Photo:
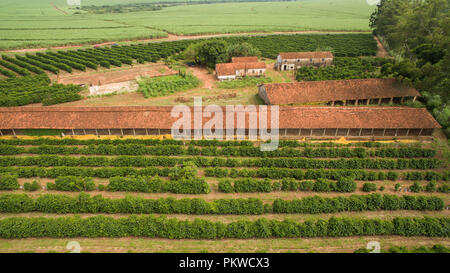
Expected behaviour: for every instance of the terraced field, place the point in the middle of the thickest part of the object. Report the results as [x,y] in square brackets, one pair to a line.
[156,194]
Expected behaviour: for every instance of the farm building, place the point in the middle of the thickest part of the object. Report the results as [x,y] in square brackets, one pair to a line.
[296,60]
[249,59]
[294,121]
[231,71]
[337,92]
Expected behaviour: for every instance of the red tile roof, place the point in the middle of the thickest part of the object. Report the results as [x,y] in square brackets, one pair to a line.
[159,117]
[306,55]
[339,90]
[250,59]
[228,69]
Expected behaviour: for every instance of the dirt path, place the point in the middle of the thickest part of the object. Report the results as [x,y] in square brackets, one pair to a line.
[173,37]
[382,52]
[208,80]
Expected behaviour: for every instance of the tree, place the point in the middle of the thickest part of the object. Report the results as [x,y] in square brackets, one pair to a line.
[241,50]
[211,52]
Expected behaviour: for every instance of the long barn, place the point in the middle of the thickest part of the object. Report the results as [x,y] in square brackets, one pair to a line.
[294,121]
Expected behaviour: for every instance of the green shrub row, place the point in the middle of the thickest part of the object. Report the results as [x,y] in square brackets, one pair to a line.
[371,202]
[8,181]
[84,203]
[193,185]
[72,183]
[343,184]
[236,151]
[163,227]
[279,173]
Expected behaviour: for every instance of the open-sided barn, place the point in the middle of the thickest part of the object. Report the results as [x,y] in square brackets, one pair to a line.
[344,92]
[294,122]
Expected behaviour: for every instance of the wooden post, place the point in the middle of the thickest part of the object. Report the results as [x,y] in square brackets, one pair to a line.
[324,131]
[372,132]
[345,102]
[310,134]
[356,102]
[14,132]
[379,101]
[336,132]
[396,131]
[73,132]
[84,131]
[134,132]
[332,103]
[146,131]
[360,131]
[368,102]
[407,132]
[1,133]
[384,131]
[96,132]
[420,131]
[109,131]
[121,131]
[348,131]
[300,131]
[392,100]
[414,99]
[159,132]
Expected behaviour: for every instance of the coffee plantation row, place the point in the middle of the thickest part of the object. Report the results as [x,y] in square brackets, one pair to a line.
[36,89]
[299,174]
[269,45]
[163,227]
[84,203]
[202,143]
[241,151]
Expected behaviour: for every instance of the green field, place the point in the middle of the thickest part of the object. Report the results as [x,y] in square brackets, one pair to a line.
[40,24]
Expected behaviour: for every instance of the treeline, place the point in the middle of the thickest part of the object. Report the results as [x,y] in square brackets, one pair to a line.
[229,151]
[84,203]
[162,227]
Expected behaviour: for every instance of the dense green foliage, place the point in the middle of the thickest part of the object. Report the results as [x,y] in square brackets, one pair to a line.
[343,184]
[72,183]
[34,89]
[243,82]
[162,227]
[8,182]
[84,203]
[165,85]
[417,32]
[343,68]
[191,185]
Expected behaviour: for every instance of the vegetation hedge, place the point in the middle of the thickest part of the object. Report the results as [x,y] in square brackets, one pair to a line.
[84,203]
[193,185]
[162,227]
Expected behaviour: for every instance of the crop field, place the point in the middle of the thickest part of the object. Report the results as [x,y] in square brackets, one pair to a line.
[44,23]
[229,192]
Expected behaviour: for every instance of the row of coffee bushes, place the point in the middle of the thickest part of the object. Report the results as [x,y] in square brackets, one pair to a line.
[201,143]
[163,227]
[72,183]
[371,202]
[29,172]
[280,173]
[163,161]
[233,151]
[39,64]
[191,185]
[344,184]
[24,65]
[97,141]
[84,203]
